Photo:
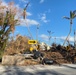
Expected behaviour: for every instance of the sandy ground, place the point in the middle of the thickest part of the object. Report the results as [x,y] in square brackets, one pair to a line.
[65,69]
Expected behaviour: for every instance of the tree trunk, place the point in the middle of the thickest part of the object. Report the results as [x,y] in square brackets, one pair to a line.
[3,40]
[30,32]
[68,33]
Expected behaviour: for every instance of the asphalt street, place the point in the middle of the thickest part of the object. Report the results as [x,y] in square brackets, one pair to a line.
[65,69]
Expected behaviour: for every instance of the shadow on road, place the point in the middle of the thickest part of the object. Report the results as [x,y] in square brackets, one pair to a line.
[23,71]
[69,66]
[48,72]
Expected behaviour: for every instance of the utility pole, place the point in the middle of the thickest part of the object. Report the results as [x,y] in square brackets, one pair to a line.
[37,32]
[37,28]
[75,39]
[29,30]
[50,35]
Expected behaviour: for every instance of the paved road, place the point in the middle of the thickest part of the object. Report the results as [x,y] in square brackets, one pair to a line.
[69,69]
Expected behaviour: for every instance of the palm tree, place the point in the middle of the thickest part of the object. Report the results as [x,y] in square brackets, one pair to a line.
[24,17]
[72,16]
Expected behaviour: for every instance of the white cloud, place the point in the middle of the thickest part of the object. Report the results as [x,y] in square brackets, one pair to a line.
[71,38]
[28,22]
[44,37]
[31,22]
[43,18]
[24,1]
[28,14]
[41,1]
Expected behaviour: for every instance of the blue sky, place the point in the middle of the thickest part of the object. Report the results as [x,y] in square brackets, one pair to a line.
[48,14]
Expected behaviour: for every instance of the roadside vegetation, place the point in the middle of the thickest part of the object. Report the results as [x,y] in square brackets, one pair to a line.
[10,16]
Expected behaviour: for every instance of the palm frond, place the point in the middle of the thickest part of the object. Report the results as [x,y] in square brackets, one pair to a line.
[24,11]
[66,17]
[26,5]
[74,11]
[72,14]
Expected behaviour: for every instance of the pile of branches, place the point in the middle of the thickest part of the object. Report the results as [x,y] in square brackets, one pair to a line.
[68,53]
[17,45]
